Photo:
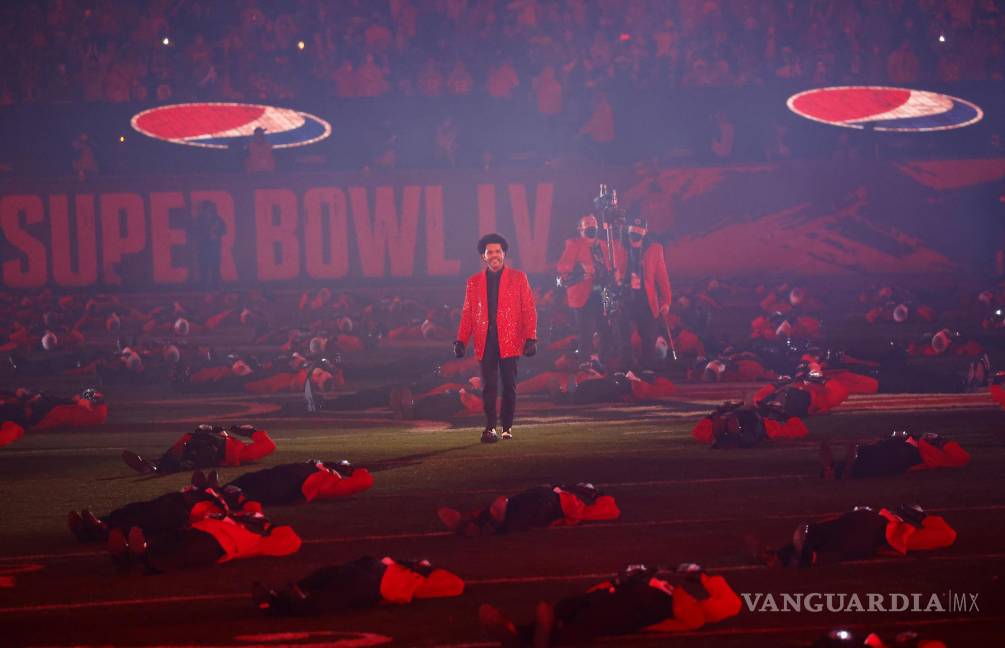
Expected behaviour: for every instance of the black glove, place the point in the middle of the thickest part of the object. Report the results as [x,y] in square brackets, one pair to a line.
[530,348]
[459,349]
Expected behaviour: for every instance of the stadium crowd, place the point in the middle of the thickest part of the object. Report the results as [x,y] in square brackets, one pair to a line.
[432,84]
[118,51]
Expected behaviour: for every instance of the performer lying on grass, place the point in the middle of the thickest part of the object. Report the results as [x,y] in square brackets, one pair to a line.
[895,455]
[364,582]
[440,403]
[27,410]
[862,533]
[213,539]
[43,411]
[208,446]
[807,394]
[541,506]
[735,425]
[640,599]
[305,481]
[589,385]
[167,512]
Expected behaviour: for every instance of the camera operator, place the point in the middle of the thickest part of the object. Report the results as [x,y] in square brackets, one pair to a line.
[584,269]
[646,293]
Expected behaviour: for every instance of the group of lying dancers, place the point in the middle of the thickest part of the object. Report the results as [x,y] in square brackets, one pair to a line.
[211,522]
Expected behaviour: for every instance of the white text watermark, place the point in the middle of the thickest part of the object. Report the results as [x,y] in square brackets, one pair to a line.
[870,602]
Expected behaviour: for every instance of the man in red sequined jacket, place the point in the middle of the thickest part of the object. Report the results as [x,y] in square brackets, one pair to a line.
[499,313]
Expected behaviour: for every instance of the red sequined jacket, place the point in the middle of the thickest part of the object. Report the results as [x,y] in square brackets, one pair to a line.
[516,315]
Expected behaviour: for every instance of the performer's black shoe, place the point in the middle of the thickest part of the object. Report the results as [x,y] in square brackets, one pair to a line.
[213,479]
[507,433]
[979,373]
[199,480]
[138,463]
[77,527]
[489,436]
[118,548]
[94,525]
[291,601]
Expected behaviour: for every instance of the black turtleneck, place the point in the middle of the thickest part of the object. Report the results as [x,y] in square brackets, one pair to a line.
[492,285]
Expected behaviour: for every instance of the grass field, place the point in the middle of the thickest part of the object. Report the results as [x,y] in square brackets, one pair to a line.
[681,502]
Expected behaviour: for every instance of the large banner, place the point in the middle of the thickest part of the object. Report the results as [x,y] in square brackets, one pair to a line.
[827,218]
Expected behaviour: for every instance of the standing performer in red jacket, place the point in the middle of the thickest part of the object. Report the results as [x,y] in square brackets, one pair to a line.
[499,313]
[584,269]
[648,294]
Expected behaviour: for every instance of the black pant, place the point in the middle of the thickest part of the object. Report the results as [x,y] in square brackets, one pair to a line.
[338,587]
[589,320]
[492,367]
[853,536]
[209,264]
[887,457]
[637,312]
[182,548]
[164,513]
[279,485]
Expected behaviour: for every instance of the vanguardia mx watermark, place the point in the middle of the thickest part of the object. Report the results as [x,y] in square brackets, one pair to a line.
[949,601]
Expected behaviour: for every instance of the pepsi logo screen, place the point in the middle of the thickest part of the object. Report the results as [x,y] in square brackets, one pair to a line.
[884,108]
[220,125]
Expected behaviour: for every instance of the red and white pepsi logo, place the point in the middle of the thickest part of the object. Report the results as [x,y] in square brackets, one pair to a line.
[220,125]
[885,109]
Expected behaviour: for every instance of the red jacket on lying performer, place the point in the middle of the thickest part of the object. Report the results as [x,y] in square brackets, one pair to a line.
[212,539]
[898,454]
[41,411]
[235,451]
[208,446]
[541,506]
[734,425]
[862,533]
[248,535]
[803,397]
[364,582]
[736,367]
[303,482]
[640,599]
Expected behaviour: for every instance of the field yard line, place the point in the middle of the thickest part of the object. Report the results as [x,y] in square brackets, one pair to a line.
[517,580]
[468,582]
[437,534]
[188,598]
[666,482]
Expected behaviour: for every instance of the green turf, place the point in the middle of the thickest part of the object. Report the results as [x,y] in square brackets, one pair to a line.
[670,515]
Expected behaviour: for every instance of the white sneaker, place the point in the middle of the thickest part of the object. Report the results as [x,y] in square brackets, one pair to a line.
[506,434]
